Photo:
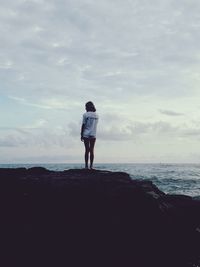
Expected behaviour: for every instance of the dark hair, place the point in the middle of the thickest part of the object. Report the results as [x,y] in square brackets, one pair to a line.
[90,106]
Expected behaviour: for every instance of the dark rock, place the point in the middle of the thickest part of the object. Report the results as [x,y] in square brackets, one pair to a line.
[95,218]
[38,170]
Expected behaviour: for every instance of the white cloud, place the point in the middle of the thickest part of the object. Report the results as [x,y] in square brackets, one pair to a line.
[6,65]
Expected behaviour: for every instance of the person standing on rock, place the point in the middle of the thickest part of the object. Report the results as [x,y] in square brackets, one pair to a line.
[88,132]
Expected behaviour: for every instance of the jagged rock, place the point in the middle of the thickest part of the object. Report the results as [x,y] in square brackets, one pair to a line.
[95,218]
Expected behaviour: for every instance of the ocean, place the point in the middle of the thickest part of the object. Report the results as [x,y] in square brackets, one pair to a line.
[170,178]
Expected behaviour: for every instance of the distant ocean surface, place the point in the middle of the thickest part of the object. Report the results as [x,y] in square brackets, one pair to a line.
[170,178]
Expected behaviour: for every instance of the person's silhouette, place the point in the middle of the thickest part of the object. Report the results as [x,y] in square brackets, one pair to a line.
[88,132]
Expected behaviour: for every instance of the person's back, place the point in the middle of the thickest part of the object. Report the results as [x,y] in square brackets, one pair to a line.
[90,120]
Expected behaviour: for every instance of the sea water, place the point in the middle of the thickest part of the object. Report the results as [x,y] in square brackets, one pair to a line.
[170,178]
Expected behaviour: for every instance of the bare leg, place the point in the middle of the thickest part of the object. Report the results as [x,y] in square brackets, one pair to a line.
[92,143]
[87,150]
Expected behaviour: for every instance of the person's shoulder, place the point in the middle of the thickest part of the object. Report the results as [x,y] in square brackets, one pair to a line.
[91,114]
[94,114]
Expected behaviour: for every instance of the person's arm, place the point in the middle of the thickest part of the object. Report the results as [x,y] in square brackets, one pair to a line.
[83,125]
[82,129]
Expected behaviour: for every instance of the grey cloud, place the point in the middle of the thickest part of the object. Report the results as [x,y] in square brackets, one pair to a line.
[74,129]
[165,128]
[160,128]
[139,130]
[114,131]
[11,141]
[192,132]
[115,127]
[170,112]
[111,117]
[45,137]
[115,134]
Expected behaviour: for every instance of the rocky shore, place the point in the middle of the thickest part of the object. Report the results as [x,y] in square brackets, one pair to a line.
[94,218]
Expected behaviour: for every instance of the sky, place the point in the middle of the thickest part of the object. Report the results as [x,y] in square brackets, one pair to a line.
[137,60]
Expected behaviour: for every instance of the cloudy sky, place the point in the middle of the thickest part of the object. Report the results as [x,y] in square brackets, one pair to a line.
[137,60]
